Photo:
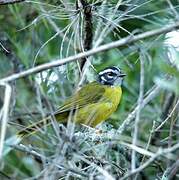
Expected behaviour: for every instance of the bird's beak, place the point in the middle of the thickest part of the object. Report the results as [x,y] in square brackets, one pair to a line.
[121,75]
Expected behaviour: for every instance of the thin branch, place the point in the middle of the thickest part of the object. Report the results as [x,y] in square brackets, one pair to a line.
[37,155]
[54,25]
[105,173]
[5,175]
[140,101]
[175,13]
[173,170]
[3,48]
[168,117]
[131,116]
[161,152]
[4,2]
[4,114]
[168,101]
[122,42]
[147,163]
[147,146]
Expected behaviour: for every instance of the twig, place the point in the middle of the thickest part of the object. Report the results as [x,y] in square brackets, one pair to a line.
[131,116]
[37,155]
[105,173]
[140,101]
[171,131]
[161,152]
[175,13]
[147,163]
[169,99]
[121,42]
[173,170]
[7,47]
[3,48]
[5,175]
[147,146]
[54,25]
[138,149]
[4,114]
[168,117]
[4,2]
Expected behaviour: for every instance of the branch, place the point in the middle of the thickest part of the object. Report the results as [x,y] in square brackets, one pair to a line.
[122,42]
[4,115]
[173,170]
[168,117]
[37,155]
[88,30]
[160,152]
[131,116]
[137,119]
[87,37]
[4,2]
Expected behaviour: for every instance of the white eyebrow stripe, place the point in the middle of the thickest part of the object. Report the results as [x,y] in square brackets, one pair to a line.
[106,71]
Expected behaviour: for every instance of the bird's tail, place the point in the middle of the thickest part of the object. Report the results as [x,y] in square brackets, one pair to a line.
[27,131]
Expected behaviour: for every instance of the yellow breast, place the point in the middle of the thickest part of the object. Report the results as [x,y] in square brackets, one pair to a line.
[96,113]
[114,95]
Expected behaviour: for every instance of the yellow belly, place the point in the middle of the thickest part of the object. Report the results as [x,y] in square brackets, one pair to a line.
[96,113]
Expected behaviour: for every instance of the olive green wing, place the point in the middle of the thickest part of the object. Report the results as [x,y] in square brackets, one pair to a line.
[90,93]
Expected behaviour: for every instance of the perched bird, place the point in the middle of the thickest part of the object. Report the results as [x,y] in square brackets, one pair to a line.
[90,105]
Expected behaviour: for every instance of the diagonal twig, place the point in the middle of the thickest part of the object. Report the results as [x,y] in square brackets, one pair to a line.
[131,116]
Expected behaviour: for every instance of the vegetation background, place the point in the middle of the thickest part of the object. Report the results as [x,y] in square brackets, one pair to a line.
[141,138]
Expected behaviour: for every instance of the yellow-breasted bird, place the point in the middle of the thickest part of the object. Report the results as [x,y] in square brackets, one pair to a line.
[90,105]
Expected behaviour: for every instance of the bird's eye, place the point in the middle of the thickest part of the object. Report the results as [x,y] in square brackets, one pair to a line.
[110,74]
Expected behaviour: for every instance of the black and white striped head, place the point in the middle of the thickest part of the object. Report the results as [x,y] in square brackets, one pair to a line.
[111,76]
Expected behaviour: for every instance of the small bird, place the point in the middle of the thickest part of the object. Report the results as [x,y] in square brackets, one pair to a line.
[90,105]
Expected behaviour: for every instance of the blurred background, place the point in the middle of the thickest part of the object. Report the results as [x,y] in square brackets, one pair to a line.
[37,32]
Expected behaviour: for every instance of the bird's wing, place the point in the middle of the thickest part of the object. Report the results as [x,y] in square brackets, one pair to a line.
[90,93]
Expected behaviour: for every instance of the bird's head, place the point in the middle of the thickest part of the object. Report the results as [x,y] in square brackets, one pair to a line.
[111,76]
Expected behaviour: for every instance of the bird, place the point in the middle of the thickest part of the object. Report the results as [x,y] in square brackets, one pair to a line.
[90,105]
